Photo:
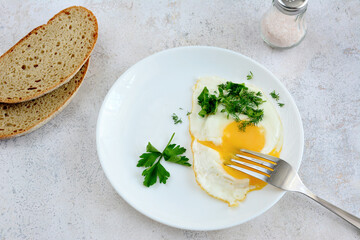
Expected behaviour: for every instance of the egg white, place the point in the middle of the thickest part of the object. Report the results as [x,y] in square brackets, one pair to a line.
[212,177]
[208,167]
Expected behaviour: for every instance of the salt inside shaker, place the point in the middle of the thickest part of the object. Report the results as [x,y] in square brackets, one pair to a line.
[283,25]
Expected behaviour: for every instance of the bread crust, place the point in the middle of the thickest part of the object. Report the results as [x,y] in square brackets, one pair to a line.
[66,79]
[52,114]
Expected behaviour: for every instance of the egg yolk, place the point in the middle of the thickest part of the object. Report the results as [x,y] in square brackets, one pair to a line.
[233,139]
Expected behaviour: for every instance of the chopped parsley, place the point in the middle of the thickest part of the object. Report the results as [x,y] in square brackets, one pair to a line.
[275,95]
[188,113]
[208,103]
[153,170]
[250,76]
[234,99]
[176,119]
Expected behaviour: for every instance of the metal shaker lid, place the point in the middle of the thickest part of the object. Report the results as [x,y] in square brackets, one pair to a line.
[291,7]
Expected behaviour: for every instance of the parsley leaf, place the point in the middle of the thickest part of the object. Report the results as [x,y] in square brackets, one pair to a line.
[172,149]
[176,119]
[182,160]
[148,159]
[172,152]
[275,95]
[150,175]
[250,76]
[154,170]
[151,148]
[188,113]
[281,104]
[162,173]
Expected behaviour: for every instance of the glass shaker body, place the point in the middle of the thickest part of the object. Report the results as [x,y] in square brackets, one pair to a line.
[280,30]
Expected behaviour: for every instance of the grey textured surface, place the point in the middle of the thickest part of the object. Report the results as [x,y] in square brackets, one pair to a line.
[51,182]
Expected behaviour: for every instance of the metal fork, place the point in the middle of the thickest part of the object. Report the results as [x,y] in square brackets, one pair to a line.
[279,173]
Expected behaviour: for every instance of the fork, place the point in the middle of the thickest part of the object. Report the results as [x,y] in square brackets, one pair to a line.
[279,173]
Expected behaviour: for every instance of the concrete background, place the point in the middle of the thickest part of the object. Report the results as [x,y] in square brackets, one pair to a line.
[51,182]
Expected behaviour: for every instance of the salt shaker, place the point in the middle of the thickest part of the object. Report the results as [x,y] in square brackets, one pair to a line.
[283,25]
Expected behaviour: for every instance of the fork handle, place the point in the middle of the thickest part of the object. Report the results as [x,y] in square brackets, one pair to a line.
[341,213]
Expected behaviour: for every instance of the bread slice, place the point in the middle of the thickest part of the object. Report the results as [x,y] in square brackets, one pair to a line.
[21,118]
[49,56]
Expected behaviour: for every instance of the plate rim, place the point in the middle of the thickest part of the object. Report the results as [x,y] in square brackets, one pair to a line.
[298,116]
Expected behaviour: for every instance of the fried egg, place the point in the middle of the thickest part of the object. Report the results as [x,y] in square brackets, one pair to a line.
[216,138]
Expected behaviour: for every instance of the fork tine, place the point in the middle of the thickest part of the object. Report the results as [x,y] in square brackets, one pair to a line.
[261,169]
[268,157]
[249,172]
[258,161]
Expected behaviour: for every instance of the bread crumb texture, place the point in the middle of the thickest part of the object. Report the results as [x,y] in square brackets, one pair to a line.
[17,119]
[48,56]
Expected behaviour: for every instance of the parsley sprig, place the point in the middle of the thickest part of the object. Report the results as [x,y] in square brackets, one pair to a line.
[153,171]
[235,99]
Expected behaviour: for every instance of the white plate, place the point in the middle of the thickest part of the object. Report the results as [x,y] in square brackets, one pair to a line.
[138,109]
